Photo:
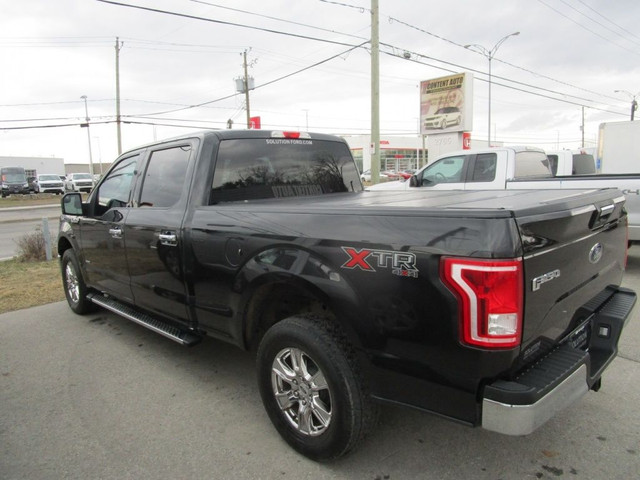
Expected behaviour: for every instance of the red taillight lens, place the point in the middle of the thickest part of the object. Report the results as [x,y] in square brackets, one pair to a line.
[490,295]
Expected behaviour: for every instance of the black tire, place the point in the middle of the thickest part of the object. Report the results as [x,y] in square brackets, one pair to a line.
[322,410]
[75,290]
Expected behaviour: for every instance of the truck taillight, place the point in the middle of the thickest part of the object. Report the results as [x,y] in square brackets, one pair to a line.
[490,296]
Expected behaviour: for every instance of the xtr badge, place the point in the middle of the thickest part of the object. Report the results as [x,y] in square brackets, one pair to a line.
[402,264]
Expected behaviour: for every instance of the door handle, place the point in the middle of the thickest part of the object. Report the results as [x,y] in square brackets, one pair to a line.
[115,232]
[168,239]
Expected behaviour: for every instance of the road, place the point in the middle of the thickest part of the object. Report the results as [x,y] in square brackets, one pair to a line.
[15,223]
[100,397]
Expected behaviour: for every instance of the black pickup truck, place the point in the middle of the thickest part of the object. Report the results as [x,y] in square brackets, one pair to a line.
[492,308]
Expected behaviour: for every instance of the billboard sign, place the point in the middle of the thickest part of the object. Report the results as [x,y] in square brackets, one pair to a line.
[446,104]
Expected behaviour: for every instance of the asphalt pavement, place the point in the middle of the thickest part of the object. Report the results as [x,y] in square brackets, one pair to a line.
[99,397]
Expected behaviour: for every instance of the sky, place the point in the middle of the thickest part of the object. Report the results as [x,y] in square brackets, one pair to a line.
[310,62]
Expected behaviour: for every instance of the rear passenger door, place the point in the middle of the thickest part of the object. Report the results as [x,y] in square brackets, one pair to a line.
[154,234]
[482,172]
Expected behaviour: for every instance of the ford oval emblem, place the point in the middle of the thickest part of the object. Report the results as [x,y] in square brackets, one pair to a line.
[595,254]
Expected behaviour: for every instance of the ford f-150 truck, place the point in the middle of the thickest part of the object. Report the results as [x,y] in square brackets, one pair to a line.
[494,309]
[518,168]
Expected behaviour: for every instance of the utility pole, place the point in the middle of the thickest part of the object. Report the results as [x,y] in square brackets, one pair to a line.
[86,113]
[582,127]
[634,103]
[246,90]
[118,48]
[375,92]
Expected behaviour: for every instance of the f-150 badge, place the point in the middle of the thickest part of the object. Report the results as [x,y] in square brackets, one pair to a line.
[402,264]
[537,282]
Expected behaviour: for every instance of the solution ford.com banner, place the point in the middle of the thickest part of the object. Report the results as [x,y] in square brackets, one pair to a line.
[446,104]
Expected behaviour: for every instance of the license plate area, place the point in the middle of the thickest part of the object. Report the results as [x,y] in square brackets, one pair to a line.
[579,338]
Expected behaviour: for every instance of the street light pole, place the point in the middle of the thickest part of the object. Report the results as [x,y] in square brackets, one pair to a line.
[489,54]
[86,112]
[634,103]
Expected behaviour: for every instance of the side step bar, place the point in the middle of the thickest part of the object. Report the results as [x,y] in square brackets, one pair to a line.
[182,336]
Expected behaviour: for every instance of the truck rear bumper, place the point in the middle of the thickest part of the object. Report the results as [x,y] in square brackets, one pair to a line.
[558,380]
[512,419]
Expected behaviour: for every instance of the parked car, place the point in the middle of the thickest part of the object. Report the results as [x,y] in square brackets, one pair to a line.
[390,174]
[406,174]
[49,183]
[79,182]
[366,175]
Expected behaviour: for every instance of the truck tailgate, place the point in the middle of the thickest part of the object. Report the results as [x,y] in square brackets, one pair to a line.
[570,256]
[574,313]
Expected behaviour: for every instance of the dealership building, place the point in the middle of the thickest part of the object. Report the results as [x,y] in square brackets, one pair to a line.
[44,165]
[396,153]
[35,165]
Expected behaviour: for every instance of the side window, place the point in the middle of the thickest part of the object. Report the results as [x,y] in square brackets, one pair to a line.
[583,164]
[484,168]
[530,164]
[165,176]
[446,170]
[553,164]
[115,190]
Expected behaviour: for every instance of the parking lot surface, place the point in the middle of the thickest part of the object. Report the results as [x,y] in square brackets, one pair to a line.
[99,397]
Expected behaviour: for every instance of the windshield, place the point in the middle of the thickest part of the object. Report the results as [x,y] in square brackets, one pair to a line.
[82,176]
[273,168]
[48,178]
[13,175]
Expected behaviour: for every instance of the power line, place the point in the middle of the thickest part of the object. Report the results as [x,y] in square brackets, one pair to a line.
[392,19]
[608,20]
[257,86]
[503,85]
[276,19]
[586,28]
[361,9]
[222,22]
[597,22]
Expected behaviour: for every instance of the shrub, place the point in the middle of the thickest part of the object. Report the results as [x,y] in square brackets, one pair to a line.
[31,247]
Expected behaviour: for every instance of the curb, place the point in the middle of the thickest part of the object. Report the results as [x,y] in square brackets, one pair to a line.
[34,207]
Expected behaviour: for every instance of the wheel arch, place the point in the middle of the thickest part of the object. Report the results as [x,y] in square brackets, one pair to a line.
[275,297]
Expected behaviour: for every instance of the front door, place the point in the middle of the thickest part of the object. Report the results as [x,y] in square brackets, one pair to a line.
[102,231]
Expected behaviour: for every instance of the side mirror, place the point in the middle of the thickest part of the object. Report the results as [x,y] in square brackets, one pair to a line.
[72,204]
[413,181]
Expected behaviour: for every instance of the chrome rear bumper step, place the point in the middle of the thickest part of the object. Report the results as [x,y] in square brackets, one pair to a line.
[182,336]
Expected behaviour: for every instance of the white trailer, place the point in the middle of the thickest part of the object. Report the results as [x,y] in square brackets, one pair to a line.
[619,147]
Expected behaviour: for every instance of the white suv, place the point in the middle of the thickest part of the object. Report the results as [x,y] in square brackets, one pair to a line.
[79,182]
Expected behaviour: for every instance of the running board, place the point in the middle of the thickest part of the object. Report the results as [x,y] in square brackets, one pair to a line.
[182,336]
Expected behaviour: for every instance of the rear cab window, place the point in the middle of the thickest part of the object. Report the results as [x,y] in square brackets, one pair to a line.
[532,164]
[249,169]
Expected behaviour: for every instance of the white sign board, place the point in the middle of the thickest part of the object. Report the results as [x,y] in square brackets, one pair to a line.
[446,104]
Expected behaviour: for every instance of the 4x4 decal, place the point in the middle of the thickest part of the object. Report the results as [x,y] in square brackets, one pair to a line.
[402,264]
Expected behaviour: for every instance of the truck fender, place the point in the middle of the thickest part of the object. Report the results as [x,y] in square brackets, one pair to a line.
[296,273]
